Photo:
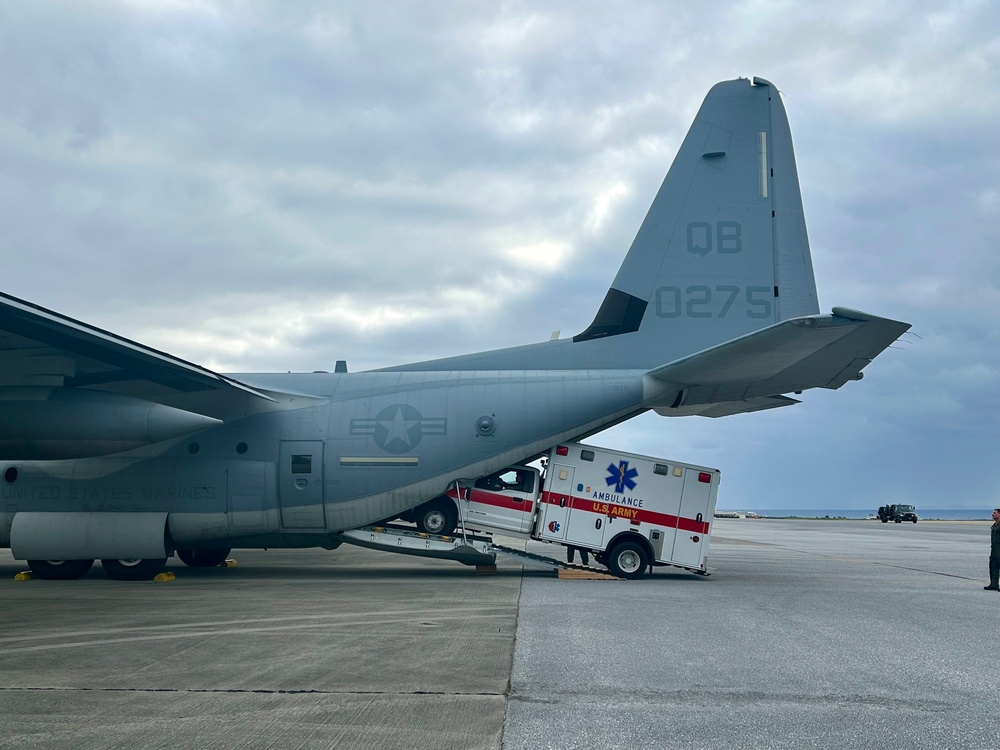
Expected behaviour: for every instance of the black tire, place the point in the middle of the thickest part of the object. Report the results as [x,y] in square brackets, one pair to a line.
[439,516]
[134,570]
[628,560]
[60,570]
[884,520]
[914,520]
[898,520]
[203,558]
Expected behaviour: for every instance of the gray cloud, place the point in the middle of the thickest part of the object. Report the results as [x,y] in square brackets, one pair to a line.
[265,187]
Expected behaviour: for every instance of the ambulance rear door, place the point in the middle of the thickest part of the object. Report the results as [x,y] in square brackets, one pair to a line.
[555,502]
[693,519]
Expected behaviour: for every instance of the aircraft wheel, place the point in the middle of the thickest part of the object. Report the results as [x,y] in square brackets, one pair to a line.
[60,570]
[134,570]
[628,560]
[203,558]
[437,517]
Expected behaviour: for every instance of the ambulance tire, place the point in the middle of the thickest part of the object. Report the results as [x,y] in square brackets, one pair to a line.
[60,570]
[628,560]
[439,516]
[203,558]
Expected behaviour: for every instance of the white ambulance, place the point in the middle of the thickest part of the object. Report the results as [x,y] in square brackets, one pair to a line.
[629,511]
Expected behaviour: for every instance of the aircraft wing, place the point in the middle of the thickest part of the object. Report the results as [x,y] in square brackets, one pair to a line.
[750,373]
[45,356]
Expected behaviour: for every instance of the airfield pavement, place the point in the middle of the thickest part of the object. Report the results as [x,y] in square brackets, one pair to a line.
[809,634]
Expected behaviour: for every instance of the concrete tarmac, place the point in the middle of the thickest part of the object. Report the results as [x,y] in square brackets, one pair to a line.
[809,634]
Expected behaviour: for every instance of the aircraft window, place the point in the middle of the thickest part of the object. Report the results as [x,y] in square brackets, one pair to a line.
[586,455]
[10,474]
[241,448]
[302,464]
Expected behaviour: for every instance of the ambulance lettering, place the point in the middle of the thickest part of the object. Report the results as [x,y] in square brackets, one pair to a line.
[620,512]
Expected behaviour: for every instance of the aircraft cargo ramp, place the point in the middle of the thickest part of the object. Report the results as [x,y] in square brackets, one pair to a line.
[468,549]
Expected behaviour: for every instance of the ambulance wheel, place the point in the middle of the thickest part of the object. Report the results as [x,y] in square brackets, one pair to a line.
[203,558]
[628,560]
[437,517]
[60,570]
[134,570]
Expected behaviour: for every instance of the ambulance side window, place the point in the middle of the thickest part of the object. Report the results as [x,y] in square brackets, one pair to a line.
[526,479]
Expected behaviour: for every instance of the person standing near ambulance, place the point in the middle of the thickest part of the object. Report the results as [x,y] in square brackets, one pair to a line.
[994,553]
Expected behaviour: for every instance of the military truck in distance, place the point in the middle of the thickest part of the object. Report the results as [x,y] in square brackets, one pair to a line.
[897,513]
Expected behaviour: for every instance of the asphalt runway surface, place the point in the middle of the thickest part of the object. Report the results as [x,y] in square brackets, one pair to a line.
[809,634]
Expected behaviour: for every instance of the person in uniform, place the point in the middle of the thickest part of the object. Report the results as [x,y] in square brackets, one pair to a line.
[994,553]
[583,554]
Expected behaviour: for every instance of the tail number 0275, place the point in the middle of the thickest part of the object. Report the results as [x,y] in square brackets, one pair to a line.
[711,302]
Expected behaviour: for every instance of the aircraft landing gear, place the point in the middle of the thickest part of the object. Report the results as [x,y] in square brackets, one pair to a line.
[134,570]
[203,558]
[60,570]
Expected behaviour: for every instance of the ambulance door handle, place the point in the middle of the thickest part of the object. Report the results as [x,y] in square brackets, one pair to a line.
[562,502]
[597,523]
[699,518]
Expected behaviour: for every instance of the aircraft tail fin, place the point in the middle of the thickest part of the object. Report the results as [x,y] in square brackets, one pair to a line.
[723,250]
[722,253]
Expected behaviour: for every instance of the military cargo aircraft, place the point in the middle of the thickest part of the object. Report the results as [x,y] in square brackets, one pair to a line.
[115,451]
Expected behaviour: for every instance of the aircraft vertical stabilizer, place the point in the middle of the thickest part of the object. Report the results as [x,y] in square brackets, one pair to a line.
[723,250]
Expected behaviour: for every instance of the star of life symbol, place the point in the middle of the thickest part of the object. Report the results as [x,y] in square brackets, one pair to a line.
[553,526]
[399,428]
[621,476]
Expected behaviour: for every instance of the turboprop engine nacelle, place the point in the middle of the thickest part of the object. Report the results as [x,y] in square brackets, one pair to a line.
[55,423]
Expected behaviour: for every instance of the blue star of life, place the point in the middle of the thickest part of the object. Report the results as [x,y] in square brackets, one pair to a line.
[621,476]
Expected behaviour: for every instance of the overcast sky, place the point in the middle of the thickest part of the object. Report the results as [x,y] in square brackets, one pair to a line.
[272,186]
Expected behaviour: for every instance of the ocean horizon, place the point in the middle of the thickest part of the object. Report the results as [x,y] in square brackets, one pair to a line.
[929,514]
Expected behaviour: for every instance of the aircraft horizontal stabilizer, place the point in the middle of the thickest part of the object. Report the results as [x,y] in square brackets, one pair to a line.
[726,408]
[750,373]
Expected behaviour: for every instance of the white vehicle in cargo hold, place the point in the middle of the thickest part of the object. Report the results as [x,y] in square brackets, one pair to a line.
[629,511]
